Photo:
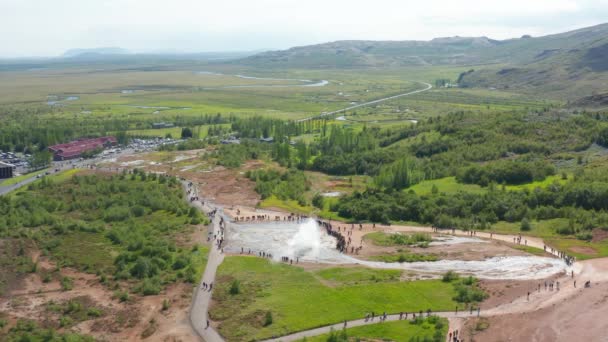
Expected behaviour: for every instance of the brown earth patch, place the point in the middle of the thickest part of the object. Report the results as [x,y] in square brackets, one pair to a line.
[599,235]
[583,250]
[506,291]
[573,319]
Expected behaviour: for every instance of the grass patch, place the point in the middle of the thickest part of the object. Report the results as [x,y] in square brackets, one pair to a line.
[447,185]
[582,250]
[404,257]
[529,249]
[291,206]
[86,251]
[384,239]
[357,275]
[543,229]
[430,329]
[538,184]
[299,301]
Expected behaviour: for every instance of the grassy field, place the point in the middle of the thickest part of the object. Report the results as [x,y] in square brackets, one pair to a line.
[547,230]
[450,185]
[543,229]
[582,250]
[445,185]
[298,300]
[398,331]
[199,132]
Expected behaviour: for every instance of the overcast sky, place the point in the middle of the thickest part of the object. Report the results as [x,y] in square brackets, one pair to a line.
[49,27]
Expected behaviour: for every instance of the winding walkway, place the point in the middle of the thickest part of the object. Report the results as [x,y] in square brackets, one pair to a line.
[359,322]
[199,309]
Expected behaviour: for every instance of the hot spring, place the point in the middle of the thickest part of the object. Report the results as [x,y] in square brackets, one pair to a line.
[308,242]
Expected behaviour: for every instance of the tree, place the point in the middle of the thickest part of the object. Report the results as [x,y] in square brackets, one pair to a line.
[268,319]
[235,288]
[186,133]
[318,201]
[525,225]
[40,160]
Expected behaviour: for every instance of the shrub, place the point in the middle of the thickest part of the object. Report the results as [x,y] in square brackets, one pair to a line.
[235,287]
[449,276]
[525,225]
[94,312]
[65,321]
[67,283]
[149,287]
[268,319]
[585,236]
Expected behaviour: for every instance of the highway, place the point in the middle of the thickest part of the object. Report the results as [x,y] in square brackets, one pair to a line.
[427,87]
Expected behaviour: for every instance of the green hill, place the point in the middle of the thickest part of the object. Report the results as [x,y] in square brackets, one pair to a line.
[568,65]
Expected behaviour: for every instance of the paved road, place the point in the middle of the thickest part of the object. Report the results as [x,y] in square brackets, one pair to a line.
[427,87]
[6,189]
[199,310]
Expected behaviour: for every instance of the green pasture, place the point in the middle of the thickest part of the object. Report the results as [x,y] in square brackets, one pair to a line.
[297,300]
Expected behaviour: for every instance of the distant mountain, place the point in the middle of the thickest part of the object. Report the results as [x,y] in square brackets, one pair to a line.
[108,51]
[567,65]
[360,53]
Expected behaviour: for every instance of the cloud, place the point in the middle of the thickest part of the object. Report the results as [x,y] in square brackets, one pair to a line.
[42,27]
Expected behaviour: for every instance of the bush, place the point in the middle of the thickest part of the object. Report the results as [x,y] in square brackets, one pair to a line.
[268,319]
[235,287]
[525,225]
[67,283]
[318,201]
[94,312]
[449,276]
[149,287]
[65,321]
[585,236]
[166,305]
[122,296]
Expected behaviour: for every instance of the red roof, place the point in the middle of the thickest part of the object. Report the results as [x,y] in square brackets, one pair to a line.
[76,148]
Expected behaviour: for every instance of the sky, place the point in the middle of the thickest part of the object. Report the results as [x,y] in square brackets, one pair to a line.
[34,28]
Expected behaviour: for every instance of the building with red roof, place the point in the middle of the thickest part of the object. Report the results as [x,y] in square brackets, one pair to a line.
[77,148]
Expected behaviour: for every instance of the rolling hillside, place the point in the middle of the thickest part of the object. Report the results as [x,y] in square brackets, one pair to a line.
[568,65]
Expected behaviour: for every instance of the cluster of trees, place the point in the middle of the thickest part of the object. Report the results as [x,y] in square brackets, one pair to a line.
[234,155]
[289,185]
[34,128]
[583,201]
[135,215]
[506,172]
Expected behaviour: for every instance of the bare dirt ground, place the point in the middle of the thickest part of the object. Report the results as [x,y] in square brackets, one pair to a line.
[226,186]
[221,185]
[459,251]
[28,297]
[578,318]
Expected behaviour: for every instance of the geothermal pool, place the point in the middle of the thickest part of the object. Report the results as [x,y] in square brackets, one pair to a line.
[308,242]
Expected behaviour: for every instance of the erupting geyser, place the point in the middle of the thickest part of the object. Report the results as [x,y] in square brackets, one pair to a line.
[306,242]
